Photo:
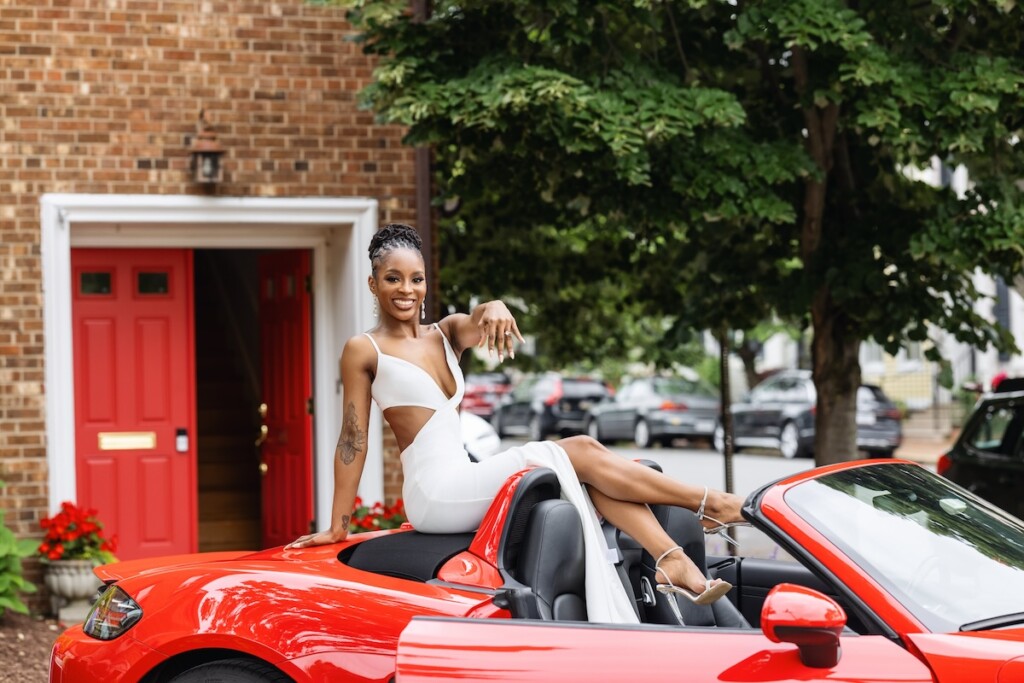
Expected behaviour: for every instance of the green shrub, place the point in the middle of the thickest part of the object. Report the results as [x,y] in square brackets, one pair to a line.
[12,583]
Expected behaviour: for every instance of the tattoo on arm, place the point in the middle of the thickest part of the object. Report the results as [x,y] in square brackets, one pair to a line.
[352,440]
[345,520]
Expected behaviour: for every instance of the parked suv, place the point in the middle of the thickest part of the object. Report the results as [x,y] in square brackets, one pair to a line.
[547,404]
[779,413]
[988,456]
[483,391]
[656,409]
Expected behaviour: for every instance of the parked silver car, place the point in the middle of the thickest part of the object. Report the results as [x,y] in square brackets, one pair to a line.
[649,410]
[779,413]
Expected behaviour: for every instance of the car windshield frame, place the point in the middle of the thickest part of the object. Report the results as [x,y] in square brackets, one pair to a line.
[1003,441]
[951,559]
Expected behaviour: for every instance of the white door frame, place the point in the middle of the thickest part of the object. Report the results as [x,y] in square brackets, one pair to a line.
[337,231]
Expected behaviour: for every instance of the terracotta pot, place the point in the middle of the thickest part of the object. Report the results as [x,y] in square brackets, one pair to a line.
[72,579]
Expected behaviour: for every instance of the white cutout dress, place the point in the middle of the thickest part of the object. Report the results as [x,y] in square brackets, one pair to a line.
[445,492]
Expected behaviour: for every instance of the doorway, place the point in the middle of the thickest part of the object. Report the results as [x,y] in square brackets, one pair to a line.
[253,397]
[334,230]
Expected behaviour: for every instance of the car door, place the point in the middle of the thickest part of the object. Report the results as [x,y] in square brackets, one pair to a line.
[762,419]
[743,412]
[990,458]
[616,414]
[796,399]
[496,651]
[515,409]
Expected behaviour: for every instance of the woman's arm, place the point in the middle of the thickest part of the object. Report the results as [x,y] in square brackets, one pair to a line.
[350,453]
[490,324]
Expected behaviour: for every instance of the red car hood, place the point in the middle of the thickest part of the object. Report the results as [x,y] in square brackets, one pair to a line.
[122,570]
[978,657]
[117,571]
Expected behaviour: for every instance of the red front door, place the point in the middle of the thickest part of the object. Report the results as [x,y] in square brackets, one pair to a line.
[286,458]
[134,396]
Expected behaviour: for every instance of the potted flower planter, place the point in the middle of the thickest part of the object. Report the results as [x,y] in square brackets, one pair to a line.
[72,586]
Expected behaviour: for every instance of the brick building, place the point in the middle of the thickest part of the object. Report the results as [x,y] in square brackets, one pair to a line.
[154,328]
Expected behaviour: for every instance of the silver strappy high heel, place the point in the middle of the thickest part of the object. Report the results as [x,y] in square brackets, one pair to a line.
[710,594]
[721,527]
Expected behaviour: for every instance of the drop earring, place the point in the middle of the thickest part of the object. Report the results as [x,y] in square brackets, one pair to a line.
[376,308]
[423,310]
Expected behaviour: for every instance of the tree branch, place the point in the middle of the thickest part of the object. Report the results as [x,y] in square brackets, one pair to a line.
[679,42]
[821,128]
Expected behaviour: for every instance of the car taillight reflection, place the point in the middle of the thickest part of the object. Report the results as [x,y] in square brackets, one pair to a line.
[556,394]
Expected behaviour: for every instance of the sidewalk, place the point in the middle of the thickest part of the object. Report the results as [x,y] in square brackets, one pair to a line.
[925,449]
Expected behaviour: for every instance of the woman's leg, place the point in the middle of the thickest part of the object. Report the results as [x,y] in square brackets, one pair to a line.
[637,520]
[625,480]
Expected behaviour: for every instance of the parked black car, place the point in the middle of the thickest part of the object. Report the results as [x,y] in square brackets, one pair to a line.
[649,410]
[988,456]
[779,413]
[548,404]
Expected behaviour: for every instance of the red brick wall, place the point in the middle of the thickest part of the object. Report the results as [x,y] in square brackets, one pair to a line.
[104,97]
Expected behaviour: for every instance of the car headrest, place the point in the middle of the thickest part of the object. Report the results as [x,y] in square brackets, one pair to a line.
[536,485]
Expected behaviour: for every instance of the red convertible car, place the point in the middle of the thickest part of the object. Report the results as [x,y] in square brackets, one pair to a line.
[899,576]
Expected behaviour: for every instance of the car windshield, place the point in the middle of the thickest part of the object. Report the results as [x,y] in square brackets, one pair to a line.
[583,387]
[951,559]
[674,386]
[487,378]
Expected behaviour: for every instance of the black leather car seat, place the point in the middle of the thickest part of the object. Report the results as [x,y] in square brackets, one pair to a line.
[686,530]
[541,555]
[552,562]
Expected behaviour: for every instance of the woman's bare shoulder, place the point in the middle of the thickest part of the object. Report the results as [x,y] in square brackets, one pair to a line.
[358,349]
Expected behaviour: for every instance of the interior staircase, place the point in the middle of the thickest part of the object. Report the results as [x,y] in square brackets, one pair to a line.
[228,459]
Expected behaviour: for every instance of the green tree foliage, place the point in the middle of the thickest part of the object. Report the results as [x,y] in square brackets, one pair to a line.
[712,162]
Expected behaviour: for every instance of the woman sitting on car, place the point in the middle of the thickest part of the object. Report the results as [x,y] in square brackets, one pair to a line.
[412,371]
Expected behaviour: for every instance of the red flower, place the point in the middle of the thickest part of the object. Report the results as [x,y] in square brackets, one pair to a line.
[75,534]
[377,516]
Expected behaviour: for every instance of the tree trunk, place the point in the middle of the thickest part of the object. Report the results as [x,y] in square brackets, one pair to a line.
[836,371]
[748,355]
[726,394]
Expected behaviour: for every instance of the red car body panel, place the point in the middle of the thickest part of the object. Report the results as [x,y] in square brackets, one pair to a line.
[973,657]
[469,570]
[274,605]
[434,650]
[486,542]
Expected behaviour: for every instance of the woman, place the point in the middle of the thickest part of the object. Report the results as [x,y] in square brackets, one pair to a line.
[412,372]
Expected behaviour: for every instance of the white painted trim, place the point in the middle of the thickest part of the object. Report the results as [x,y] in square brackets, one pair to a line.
[335,229]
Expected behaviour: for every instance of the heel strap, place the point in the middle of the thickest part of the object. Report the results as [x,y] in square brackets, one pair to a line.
[703,502]
[667,553]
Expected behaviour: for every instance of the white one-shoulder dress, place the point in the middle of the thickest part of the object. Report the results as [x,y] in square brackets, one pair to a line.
[445,492]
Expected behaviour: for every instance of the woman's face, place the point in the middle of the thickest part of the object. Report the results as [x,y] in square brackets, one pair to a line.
[400,284]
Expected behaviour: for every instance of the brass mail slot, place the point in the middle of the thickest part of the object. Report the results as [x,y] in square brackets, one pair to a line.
[127,441]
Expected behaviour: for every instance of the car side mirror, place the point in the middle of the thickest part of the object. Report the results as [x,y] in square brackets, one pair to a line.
[810,620]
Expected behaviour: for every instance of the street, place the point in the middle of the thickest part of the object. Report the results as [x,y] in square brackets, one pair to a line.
[699,464]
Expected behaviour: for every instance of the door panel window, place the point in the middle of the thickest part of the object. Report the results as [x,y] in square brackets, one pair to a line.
[94,283]
[153,283]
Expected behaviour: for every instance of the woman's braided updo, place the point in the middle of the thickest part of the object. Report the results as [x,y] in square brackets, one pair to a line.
[393,236]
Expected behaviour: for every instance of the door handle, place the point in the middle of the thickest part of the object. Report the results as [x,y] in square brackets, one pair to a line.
[264,431]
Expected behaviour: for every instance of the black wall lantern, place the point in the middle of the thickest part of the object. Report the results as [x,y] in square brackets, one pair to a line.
[206,154]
